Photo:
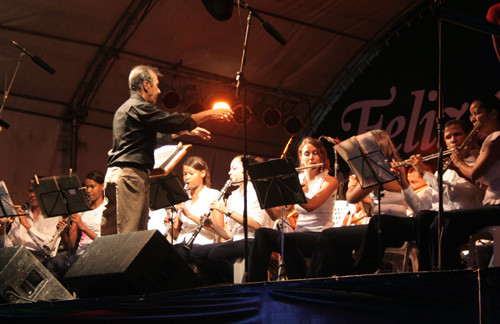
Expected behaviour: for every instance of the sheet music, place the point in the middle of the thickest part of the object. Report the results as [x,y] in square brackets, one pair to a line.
[167,156]
[6,201]
[366,160]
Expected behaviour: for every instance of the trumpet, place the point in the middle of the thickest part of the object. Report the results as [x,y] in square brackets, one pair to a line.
[464,146]
[53,243]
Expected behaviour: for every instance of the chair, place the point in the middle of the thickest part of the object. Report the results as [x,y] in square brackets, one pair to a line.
[491,233]
[400,258]
[341,211]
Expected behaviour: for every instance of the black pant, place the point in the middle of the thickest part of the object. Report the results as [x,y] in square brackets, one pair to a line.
[60,264]
[394,231]
[297,247]
[426,240]
[458,226]
[215,261]
[334,251]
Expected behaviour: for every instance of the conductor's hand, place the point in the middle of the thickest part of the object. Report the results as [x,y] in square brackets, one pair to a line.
[200,132]
[222,114]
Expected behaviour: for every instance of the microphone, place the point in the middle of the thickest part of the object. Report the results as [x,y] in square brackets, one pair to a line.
[328,139]
[267,26]
[38,61]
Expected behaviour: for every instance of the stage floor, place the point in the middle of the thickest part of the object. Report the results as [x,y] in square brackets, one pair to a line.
[425,297]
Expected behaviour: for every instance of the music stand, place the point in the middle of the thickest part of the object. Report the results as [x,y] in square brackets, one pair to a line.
[369,164]
[6,205]
[166,191]
[277,184]
[60,195]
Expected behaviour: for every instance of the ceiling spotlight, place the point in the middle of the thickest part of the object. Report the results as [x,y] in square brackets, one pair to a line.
[171,99]
[221,10]
[293,125]
[238,114]
[271,117]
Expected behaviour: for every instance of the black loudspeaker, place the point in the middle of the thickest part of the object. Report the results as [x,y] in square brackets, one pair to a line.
[24,279]
[129,264]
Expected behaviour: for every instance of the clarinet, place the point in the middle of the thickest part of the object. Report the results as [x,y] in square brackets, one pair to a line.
[189,244]
[168,227]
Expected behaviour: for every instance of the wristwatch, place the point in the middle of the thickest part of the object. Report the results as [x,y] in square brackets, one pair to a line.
[229,212]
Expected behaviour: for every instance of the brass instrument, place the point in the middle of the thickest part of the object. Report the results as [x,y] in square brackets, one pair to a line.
[464,145]
[189,244]
[54,242]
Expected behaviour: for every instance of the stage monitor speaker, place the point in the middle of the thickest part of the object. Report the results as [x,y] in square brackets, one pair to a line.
[24,279]
[129,264]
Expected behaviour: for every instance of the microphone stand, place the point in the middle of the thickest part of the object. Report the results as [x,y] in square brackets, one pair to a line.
[6,95]
[240,87]
[240,84]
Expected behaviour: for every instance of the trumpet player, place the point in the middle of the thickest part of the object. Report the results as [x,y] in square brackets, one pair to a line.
[31,229]
[85,225]
[458,192]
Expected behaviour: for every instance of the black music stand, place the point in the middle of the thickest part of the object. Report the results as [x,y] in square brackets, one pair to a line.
[166,191]
[370,165]
[61,195]
[6,205]
[277,184]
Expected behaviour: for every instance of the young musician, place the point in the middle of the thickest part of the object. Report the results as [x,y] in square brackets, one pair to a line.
[85,225]
[313,216]
[458,192]
[31,229]
[460,224]
[196,175]
[333,253]
[215,261]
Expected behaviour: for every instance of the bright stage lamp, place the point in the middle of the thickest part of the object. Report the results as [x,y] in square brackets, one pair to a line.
[221,104]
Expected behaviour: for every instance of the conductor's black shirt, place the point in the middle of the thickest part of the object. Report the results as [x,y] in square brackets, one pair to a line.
[135,127]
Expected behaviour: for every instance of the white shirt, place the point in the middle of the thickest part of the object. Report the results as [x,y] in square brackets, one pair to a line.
[492,176]
[235,202]
[321,217]
[198,209]
[92,219]
[41,233]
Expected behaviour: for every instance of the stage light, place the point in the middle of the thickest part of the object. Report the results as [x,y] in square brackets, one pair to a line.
[238,114]
[171,99]
[271,117]
[221,10]
[221,104]
[293,125]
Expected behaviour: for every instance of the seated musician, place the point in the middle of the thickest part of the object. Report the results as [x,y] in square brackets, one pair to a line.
[334,251]
[313,217]
[215,261]
[460,224]
[31,229]
[85,225]
[458,192]
[196,175]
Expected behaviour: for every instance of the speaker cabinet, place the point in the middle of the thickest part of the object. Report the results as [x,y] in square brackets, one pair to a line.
[129,264]
[24,279]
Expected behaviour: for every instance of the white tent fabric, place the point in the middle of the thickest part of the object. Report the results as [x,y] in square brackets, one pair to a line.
[198,55]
